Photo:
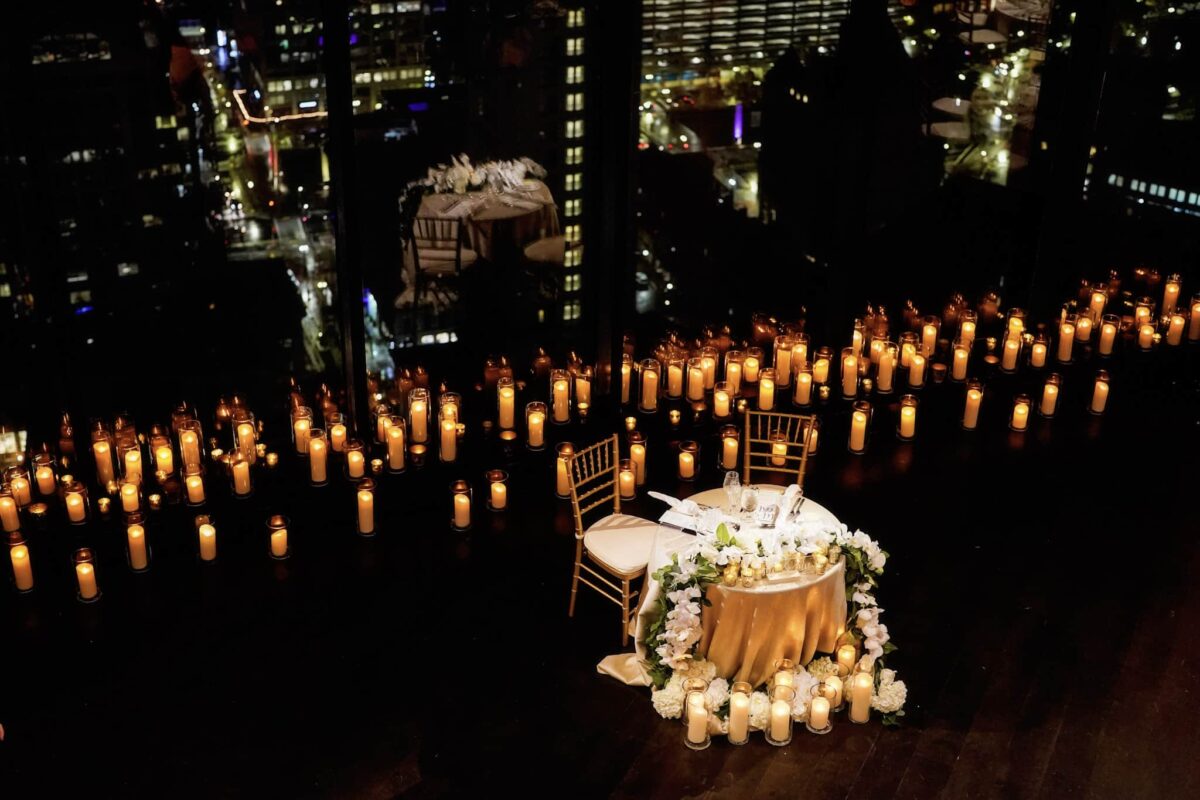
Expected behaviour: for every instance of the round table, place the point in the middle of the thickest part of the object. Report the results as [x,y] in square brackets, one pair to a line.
[523,215]
[746,630]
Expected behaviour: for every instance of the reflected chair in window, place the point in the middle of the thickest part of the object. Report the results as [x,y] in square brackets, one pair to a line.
[436,252]
[614,550]
[775,443]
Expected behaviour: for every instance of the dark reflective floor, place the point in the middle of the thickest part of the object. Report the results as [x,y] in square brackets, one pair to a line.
[1041,589]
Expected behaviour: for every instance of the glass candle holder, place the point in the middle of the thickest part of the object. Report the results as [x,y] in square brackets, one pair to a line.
[1100,390]
[1176,323]
[782,359]
[418,415]
[85,575]
[722,400]
[916,371]
[849,362]
[637,454]
[497,489]
[193,486]
[1194,319]
[1050,391]
[45,474]
[812,435]
[10,512]
[753,365]
[1019,420]
[862,686]
[240,478]
[318,457]
[365,507]
[447,441]
[356,459]
[206,538]
[960,359]
[506,404]
[676,372]
[1010,352]
[785,673]
[1016,320]
[696,714]
[130,496]
[974,399]
[1097,299]
[967,321]
[1146,336]
[75,502]
[302,422]
[584,376]
[627,479]
[560,396]
[885,370]
[779,448]
[910,345]
[709,358]
[20,562]
[695,379]
[191,443]
[535,425]
[562,482]
[802,389]
[277,534]
[819,709]
[735,367]
[675,416]
[460,505]
[860,424]
[381,417]
[1066,339]
[779,723]
[931,325]
[730,439]
[244,433]
[906,425]
[450,406]
[649,376]
[132,460]
[689,460]
[821,362]
[1143,310]
[1171,291]
[397,444]
[739,712]
[1110,326]
[626,378]
[338,431]
[1083,328]
[766,389]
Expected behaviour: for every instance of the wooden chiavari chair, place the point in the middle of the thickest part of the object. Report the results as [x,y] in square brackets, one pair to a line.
[615,549]
[759,445]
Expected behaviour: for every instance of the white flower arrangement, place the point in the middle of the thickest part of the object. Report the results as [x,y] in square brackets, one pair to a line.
[461,175]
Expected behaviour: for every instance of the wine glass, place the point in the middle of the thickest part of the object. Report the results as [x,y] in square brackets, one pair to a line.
[733,490]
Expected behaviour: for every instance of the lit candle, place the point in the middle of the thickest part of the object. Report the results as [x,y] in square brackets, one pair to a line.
[508,407]
[695,387]
[821,370]
[537,423]
[208,542]
[637,454]
[750,368]
[9,514]
[1146,336]
[462,510]
[1083,329]
[563,481]
[1049,398]
[971,412]
[729,451]
[928,340]
[449,440]
[337,437]
[783,366]
[355,463]
[1012,347]
[1108,336]
[21,490]
[366,512]
[766,393]
[649,389]
[22,567]
[674,380]
[961,357]
[835,683]
[245,441]
[739,717]
[628,483]
[1175,329]
[803,392]
[916,370]
[45,480]
[1066,340]
[279,542]
[1100,395]
[846,656]
[317,456]
[907,351]
[562,404]
[675,416]
[395,449]
[164,459]
[697,725]
[858,431]
[849,375]
[785,677]
[967,332]
[781,720]
[104,463]
[301,427]
[626,370]
[709,365]
[1170,295]
[133,466]
[778,453]
[818,713]
[721,403]
[687,465]
[1099,299]
[908,421]
[887,367]
[195,489]
[1037,355]
[189,448]
[1194,324]
[76,510]
[241,478]
[419,412]
[129,497]
[861,687]
[1020,415]
[85,574]
[799,355]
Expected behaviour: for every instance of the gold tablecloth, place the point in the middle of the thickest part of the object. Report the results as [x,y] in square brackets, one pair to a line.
[746,630]
[524,215]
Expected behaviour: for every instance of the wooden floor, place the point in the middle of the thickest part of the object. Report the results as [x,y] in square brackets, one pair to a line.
[1042,589]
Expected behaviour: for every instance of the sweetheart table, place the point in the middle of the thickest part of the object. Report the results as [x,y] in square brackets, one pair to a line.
[524,214]
[746,630]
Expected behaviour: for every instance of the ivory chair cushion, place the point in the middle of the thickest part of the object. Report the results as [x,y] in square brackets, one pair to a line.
[621,543]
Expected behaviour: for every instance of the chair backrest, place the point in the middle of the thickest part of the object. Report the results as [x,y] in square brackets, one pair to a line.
[592,474]
[758,444]
[436,233]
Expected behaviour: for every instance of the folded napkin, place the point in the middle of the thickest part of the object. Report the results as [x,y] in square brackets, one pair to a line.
[687,507]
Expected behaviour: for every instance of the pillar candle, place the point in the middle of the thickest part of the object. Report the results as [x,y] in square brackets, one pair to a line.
[721,403]
[208,542]
[766,394]
[846,656]
[778,453]
[739,717]
[1049,399]
[1146,336]
[821,370]
[104,463]
[1170,296]
[85,574]
[928,340]
[849,376]
[1194,324]
[858,431]
[583,391]
[318,452]
[1066,340]
[1083,329]
[961,356]
[21,490]
[1108,336]
[781,720]
[462,511]
[729,451]
[687,465]
[355,463]
[195,489]
[1175,329]
[537,428]
[76,512]
[22,567]
[133,466]
[803,392]
[835,683]
[649,390]
[818,713]
[300,428]
[9,514]
[241,478]
[1012,347]
[856,341]
[750,368]
[695,386]
[508,413]
[337,437]
[783,366]
[189,448]
[967,332]
[887,367]
[562,404]
[628,483]
[449,440]
[916,370]
[907,350]
[637,453]
[674,380]
[279,542]
[129,497]
[799,355]
[697,726]
[420,421]
[1096,307]
[1037,355]
[626,370]
[45,480]
[245,440]
[562,481]
[861,686]
[1099,396]
[971,412]
[366,512]
[164,460]
[395,449]
[709,365]
[1020,417]
[908,421]
[383,422]
[499,495]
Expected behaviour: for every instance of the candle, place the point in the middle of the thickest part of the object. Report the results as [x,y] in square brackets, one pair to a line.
[1194,324]
[928,339]
[279,542]
[317,455]
[750,369]
[366,511]
[45,480]
[129,497]
[739,717]
[908,421]
[849,375]
[1175,329]
[697,726]
[1020,415]
[21,490]
[208,542]
[1012,347]
[709,365]
[821,370]
[674,416]
[720,403]
[818,713]
[971,412]
[649,389]
[799,355]
[907,351]
[449,440]
[783,365]
[785,677]
[916,370]
[967,332]
[1083,329]
[419,413]
[1049,399]
[562,404]
[887,367]
[583,389]
[22,567]
[164,459]
[1066,340]
[1108,336]
[1099,299]
[687,466]
[337,437]
[626,370]
[781,720]
[729,451]
[637,454]
[133,466]
[628,483]
[1100,395]
[500,495]
[803,392]
[563,482]
[778,453]
[1146,336]
[76,510]
[861,687]
[846,656]
[241,478]
[537,422]
[85,574]
[508,405]
[1170,295]
[766,393]
[1037,355]
[104,463]
[835,683]
[301,428]
[189,448]
[462,510]
[195,489]
[858,431]
[9,514]
[674,380]
[961,357]
[395,449]
[245,441]
[695,386]
[355,463]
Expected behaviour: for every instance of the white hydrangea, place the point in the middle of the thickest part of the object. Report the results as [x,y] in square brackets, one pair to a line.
[821,668]
[804,687]
[717,693]
[697,668]
[668,701]
[889,697]
[760,710]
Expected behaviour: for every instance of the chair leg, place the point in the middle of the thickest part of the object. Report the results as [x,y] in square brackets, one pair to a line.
[624,612]
[574,589]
